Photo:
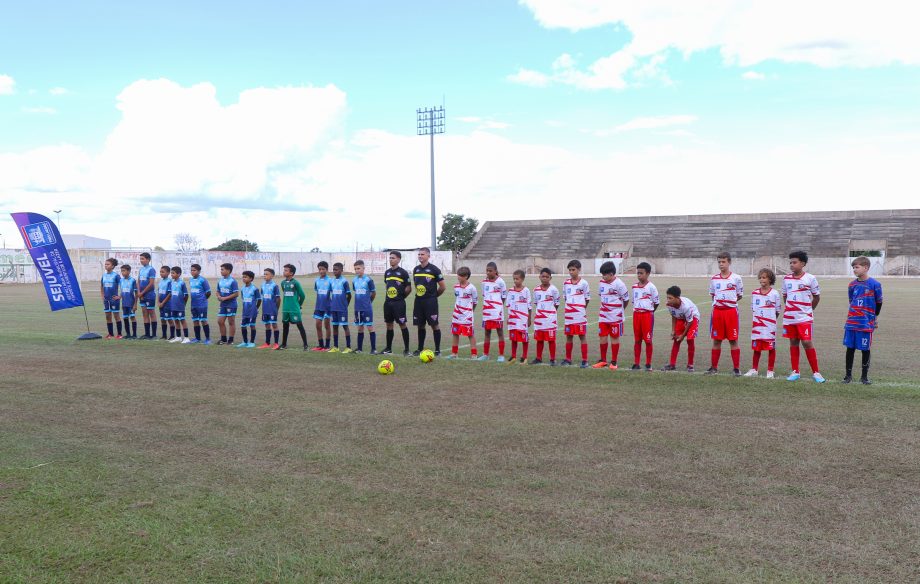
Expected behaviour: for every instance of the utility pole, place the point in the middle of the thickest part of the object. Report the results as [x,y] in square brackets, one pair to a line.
[430,121]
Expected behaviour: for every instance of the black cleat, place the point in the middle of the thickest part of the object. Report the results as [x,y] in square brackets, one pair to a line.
[221,342]
[865,381]
[711,371]
[373,352]
[282,347]
[407,353]
[565,363]
[584,365]
[690,369]
[635,368]
[648,367]
[847,379]
[668,368]
[387,351]
[552,362]
[537,362]
[306,347]
[736,373]
[437,353]
[416,353]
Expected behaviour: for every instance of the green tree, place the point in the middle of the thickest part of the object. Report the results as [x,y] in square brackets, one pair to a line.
[457,232]
[237,245]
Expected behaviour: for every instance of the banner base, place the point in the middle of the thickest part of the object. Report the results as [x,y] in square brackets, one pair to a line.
[89,336]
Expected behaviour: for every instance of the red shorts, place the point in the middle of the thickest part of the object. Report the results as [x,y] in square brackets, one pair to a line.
[517,336]
[572,330]
[801,331]
[492,325]
[763,345]
[462,330]
[643,326]
[692,330]
[610,329]
[545,335]
[724,324]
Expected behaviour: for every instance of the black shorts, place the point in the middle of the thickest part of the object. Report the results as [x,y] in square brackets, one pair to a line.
[425,311]
[394,311]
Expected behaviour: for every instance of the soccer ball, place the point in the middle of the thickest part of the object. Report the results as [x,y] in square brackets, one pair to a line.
[386,367]
[427,356]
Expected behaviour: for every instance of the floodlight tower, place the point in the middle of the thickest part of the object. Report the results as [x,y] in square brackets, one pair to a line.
[430,121]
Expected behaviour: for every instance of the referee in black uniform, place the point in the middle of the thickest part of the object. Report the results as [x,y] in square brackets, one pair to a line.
[394,305]
[429,284]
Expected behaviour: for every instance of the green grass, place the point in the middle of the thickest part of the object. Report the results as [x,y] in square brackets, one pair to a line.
[150,462]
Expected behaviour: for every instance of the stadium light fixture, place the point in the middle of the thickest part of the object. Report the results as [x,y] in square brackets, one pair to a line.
[430,121]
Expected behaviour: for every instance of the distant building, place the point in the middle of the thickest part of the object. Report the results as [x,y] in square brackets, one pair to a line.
[79,241]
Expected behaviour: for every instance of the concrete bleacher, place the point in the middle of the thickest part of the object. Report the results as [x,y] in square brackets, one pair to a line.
[828,234]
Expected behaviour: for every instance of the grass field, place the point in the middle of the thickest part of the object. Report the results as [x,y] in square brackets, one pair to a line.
[149,462]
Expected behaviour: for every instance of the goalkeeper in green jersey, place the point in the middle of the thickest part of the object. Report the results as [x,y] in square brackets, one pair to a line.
[292,298]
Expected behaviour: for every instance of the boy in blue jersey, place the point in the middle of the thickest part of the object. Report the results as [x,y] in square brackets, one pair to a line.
[271,300]
[162,296]
[865,296]
[340,298]
[323,288]
[252,298]
[365,293]
[109,288]
[128,293]
[200,291]
[227,292]
[147,296]
[178,299]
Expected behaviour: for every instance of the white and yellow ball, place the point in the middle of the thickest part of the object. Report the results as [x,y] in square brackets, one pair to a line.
[386,367]
[427,356]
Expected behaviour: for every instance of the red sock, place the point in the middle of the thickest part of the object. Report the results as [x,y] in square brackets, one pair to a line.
[568,350]
[501,348]
[794,357]
[485,347]
[637,352]
[513,350]
[691,351]
[473,350]
[540,350]
[771,360]
[675,349]
[614,352]
[812,356]
[755,362]
[524,352]
[603,351]
[454,350]
[552,350]
[648,354]
[736,358]
[716,353]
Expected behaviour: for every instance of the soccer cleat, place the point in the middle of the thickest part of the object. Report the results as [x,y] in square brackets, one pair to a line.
[357,351]
[109,337]
[119,337]
[334,350]
[416,353]
[501,359]
[794,376]
[522,361]
[195,341]
[451,357]
[437,353]
[584,365]
[186,341]
[770,375]
[373,352]
[242,345]
[711,371]
[865,381]
[751,373]
[221,342]
[690,369]
[613,367]
[206,342]
[847,379]
[537,362]
[406,353]
[648,367]
[306,348]
[175,340]
[512,361]
[474,358]
[347,350]
[668,367]
[818,377]
[736,372]
[275,346]
[552,362]
[565,363]
[317,349]
[265,346]
[281,347]
[482,358]
[635,367]
[387,351]
[599,365]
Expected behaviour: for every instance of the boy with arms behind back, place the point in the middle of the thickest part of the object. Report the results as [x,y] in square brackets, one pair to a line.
[865,295]
[801,294]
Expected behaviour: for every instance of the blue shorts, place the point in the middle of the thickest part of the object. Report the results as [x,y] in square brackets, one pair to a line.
[165,314]
[270,318]
[199,314]
[111,305]
[339,317]
[127,311]
[148,302]
[321,314]
[857,340]
[227,311]
[248,321]
[364,317]
[177,314]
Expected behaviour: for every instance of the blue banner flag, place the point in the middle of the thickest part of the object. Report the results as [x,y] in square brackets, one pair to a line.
[46,246]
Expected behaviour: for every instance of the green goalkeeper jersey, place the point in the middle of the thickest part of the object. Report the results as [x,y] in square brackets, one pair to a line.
[292,296]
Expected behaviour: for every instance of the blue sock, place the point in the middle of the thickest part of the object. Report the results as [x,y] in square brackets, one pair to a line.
[276,336]
[360,341]
[373,336]
[172,330]
[328,342]
[134,327]
[245,334]
[185,332]
[207,332]
[146,329]
[347,339]
[335,335]
[197,331]
[118,326]
[111,328]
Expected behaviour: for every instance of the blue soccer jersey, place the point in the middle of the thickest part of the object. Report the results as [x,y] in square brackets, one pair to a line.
[144,276]
[864,300]
[251,296]
[228,286]
[198,288]
[163,289]
[323,288]
[128,288]
[271,299]
[110,284]
[178,293]
[363,287]
[339,290]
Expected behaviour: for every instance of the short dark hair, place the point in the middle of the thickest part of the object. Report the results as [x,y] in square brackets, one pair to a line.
[674,291]
[769,274]
[724,255]
[492,265]
[145,255]
[195,267]
[164,268]
[270,270]
[250,274]
[799,255]
[323,264]
[396,252]
[608,268]
[289,267]
[359,262]
[424,249]
[644,266]
[176,270]
[520,273]
[338,265]
[227,266]
[574,264]
[126,267]
[546,271]
[465,272]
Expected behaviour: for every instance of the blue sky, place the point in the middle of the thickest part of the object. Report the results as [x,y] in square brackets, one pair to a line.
[543,97]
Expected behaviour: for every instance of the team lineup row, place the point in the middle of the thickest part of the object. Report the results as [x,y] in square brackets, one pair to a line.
[526,309]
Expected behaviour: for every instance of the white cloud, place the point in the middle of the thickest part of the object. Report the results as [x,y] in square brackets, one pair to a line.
[654,122]
[826,33]
[484,124]
[529,77]
[753,76]
[58,91]
[41,109]
[7,85]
